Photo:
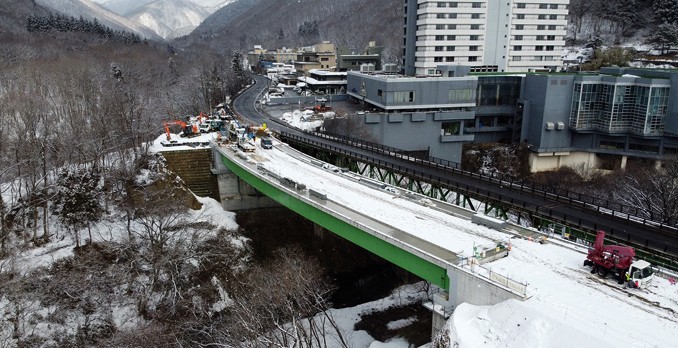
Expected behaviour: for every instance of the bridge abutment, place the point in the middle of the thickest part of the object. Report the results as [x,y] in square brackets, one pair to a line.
[236,194]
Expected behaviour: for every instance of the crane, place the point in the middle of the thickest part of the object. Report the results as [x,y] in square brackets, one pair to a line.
[187,130]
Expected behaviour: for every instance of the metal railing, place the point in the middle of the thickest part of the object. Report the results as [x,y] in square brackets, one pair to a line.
[539,210]
[560,194]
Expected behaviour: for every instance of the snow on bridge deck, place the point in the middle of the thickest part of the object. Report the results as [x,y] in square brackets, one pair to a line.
[567,306]
[408,220]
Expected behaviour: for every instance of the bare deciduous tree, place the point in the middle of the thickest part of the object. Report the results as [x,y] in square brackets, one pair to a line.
[653,191]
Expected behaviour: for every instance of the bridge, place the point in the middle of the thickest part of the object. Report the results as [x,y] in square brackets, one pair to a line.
[581,215]
[431,240]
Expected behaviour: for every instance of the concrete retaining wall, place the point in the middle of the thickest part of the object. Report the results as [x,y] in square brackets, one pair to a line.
[194,168]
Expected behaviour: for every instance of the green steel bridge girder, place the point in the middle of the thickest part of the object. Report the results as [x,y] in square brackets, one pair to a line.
[412,263]
[427,189]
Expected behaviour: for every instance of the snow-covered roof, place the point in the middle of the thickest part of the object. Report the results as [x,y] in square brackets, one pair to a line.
[312,81]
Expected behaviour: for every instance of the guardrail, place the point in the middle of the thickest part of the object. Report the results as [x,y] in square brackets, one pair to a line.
[658,246]
[559,194]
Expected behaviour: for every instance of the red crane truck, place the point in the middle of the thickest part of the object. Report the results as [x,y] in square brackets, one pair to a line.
[618,260]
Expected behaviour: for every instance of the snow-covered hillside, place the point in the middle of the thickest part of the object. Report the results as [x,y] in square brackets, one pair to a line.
[123,7]
[168,18]
[90,10]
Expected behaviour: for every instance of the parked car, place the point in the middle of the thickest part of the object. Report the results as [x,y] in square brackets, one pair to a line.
[266,143]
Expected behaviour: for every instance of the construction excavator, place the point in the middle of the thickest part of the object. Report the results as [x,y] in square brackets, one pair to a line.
[187,130]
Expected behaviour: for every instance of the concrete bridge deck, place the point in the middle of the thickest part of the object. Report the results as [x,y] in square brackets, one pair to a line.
[430,240]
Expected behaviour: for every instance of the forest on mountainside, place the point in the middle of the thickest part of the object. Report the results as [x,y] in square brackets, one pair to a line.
[276,24]
[78,109]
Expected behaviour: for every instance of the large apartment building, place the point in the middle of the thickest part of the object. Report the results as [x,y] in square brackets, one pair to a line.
[488,35]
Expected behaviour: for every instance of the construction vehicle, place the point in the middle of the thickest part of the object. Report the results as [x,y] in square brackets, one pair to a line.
[235,131]
[186,129]
[246,144]
[618,260]
[321,107]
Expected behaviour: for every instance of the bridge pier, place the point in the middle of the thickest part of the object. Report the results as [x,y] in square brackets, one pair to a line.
[442,310]
[236,194]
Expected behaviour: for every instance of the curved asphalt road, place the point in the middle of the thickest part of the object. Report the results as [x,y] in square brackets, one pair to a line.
[573,214]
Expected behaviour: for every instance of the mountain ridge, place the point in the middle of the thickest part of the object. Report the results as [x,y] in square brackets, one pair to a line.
[90,10]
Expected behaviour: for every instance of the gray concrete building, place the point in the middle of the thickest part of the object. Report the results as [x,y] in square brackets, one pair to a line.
[595,120]
[415,114]
[348,60]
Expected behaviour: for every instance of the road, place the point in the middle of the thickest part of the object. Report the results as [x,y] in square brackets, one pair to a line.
[586,217]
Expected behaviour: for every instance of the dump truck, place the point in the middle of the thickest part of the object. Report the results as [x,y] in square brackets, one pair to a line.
[618,260]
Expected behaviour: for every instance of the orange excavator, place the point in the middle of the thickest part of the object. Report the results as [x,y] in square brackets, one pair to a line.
[186,129]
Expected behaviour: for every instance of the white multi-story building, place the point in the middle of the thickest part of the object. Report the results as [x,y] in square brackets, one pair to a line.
[489,35]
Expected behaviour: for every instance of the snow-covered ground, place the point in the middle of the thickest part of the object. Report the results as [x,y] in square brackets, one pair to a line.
[567,306]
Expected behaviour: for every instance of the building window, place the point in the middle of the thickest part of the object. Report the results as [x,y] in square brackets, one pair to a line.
[472,59]
[551,38]
[475,26]
[440,26]
[442,4]
[475,15]
[453,16]
[440,37]
[438,48]
[552,27]
[462,95]
[541,27]
[438,59]
[440,15]
[517,48]
[473,37]
[517,58]
[543,6]
[449,59]
[452,26]
[520,5]
[519,27]
[519,37]
[449,48]
[540,37]
[453,4]
[476,5]
[538,48]
[451,128]
[406,96]
[451,37]
[553,17]
[473,48]
[520,16]
[549,48]
[541,16]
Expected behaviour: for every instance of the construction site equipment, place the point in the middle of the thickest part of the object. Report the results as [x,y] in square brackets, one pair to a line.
[186,129]
[321,107]
[618,260]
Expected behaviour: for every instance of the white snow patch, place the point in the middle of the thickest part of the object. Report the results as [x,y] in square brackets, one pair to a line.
[399,324]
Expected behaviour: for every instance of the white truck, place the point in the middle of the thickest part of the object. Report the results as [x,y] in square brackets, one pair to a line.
[246,144]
